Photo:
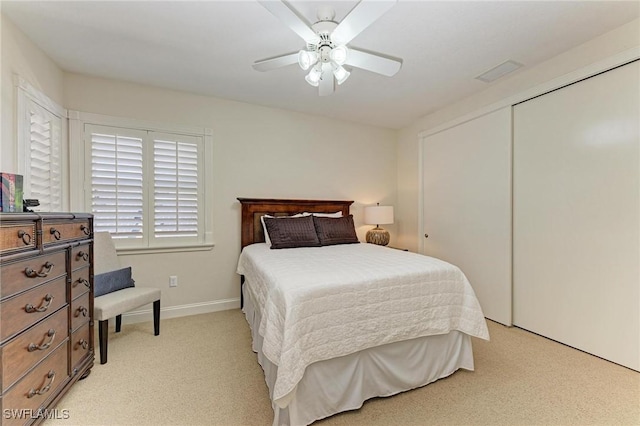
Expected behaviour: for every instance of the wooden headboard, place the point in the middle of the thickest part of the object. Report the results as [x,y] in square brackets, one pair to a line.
[254,208]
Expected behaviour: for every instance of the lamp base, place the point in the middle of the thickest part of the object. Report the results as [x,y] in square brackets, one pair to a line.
[378,236]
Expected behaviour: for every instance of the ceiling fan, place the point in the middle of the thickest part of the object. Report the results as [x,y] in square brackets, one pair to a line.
[326,43]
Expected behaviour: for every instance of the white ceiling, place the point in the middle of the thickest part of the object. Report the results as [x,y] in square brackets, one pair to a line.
[207,47]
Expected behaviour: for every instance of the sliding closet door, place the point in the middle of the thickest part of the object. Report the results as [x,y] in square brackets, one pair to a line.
[576,196]
[467,205]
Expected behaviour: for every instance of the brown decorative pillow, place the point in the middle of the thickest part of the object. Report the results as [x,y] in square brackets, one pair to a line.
[333,231]
[292,232]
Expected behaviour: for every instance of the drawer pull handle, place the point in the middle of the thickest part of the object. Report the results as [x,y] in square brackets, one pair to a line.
[25,236]
[47,299]
[44,271]
[55,233]
[82,255]
[85,229]
[83,343]
[82,281]
[33,347]
[33,392]
[82,311]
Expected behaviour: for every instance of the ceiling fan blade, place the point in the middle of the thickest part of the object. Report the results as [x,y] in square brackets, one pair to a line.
[327,82]
[374,62]
[291,18]
[364,14]
[269,64]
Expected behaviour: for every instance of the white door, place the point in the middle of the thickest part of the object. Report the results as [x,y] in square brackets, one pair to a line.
[466,172]
[576,215]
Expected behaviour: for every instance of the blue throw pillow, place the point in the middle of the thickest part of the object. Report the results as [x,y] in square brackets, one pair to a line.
[109,282]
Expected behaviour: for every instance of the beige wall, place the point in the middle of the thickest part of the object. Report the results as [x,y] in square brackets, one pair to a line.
[258,152]
[608,45]
[20,56]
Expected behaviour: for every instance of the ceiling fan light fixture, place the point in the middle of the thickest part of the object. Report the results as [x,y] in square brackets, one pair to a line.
[340,74]
[326,41]
[306,59]
[313,78]
[339,54]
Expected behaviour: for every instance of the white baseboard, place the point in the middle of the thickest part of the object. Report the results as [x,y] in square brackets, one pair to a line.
[181,310]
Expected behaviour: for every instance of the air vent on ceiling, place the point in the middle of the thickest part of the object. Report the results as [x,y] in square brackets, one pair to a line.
[498,71]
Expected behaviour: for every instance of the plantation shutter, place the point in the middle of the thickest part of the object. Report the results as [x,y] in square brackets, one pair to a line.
[175,183]
[146,187]
[43,176]
[117,192]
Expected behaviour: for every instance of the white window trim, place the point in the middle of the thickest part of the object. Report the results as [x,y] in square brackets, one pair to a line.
[80,188]
[25,92]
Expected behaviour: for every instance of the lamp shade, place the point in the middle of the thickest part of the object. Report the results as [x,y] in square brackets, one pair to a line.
[339,54]
[378,215]
[314,76]
[341,74]
[306,59]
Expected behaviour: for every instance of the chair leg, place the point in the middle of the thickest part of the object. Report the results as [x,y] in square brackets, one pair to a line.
[118,323]
[156,317]
[103,334]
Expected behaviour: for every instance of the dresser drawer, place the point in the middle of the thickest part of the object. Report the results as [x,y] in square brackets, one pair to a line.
[80,345]
[17,237]
[27,349]
[79,311]
[79,257]
[58,232]
[79,282]
[20,276]
[20,312]
[37,386]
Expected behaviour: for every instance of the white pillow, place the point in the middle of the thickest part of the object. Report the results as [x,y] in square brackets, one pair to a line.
[264,227]
[336,214]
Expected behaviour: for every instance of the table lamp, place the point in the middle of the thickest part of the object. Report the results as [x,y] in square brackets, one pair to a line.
[378,215]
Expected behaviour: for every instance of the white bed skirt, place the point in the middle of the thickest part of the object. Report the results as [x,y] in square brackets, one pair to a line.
[344,383]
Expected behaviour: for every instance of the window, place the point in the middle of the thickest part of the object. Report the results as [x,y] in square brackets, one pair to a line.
[145,186]
[44,170]
[117,193]
[40,156]
[175,181]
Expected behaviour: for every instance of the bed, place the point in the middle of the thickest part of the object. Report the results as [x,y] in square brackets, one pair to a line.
[335,325]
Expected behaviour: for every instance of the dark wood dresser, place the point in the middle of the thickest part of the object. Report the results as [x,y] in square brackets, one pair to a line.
[46,311]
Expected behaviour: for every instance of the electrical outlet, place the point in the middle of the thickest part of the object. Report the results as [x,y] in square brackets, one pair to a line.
[173,281]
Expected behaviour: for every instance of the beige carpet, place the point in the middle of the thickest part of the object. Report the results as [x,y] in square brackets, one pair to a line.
[201,371]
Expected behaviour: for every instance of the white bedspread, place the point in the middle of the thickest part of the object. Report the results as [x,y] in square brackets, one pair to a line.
[320,303]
